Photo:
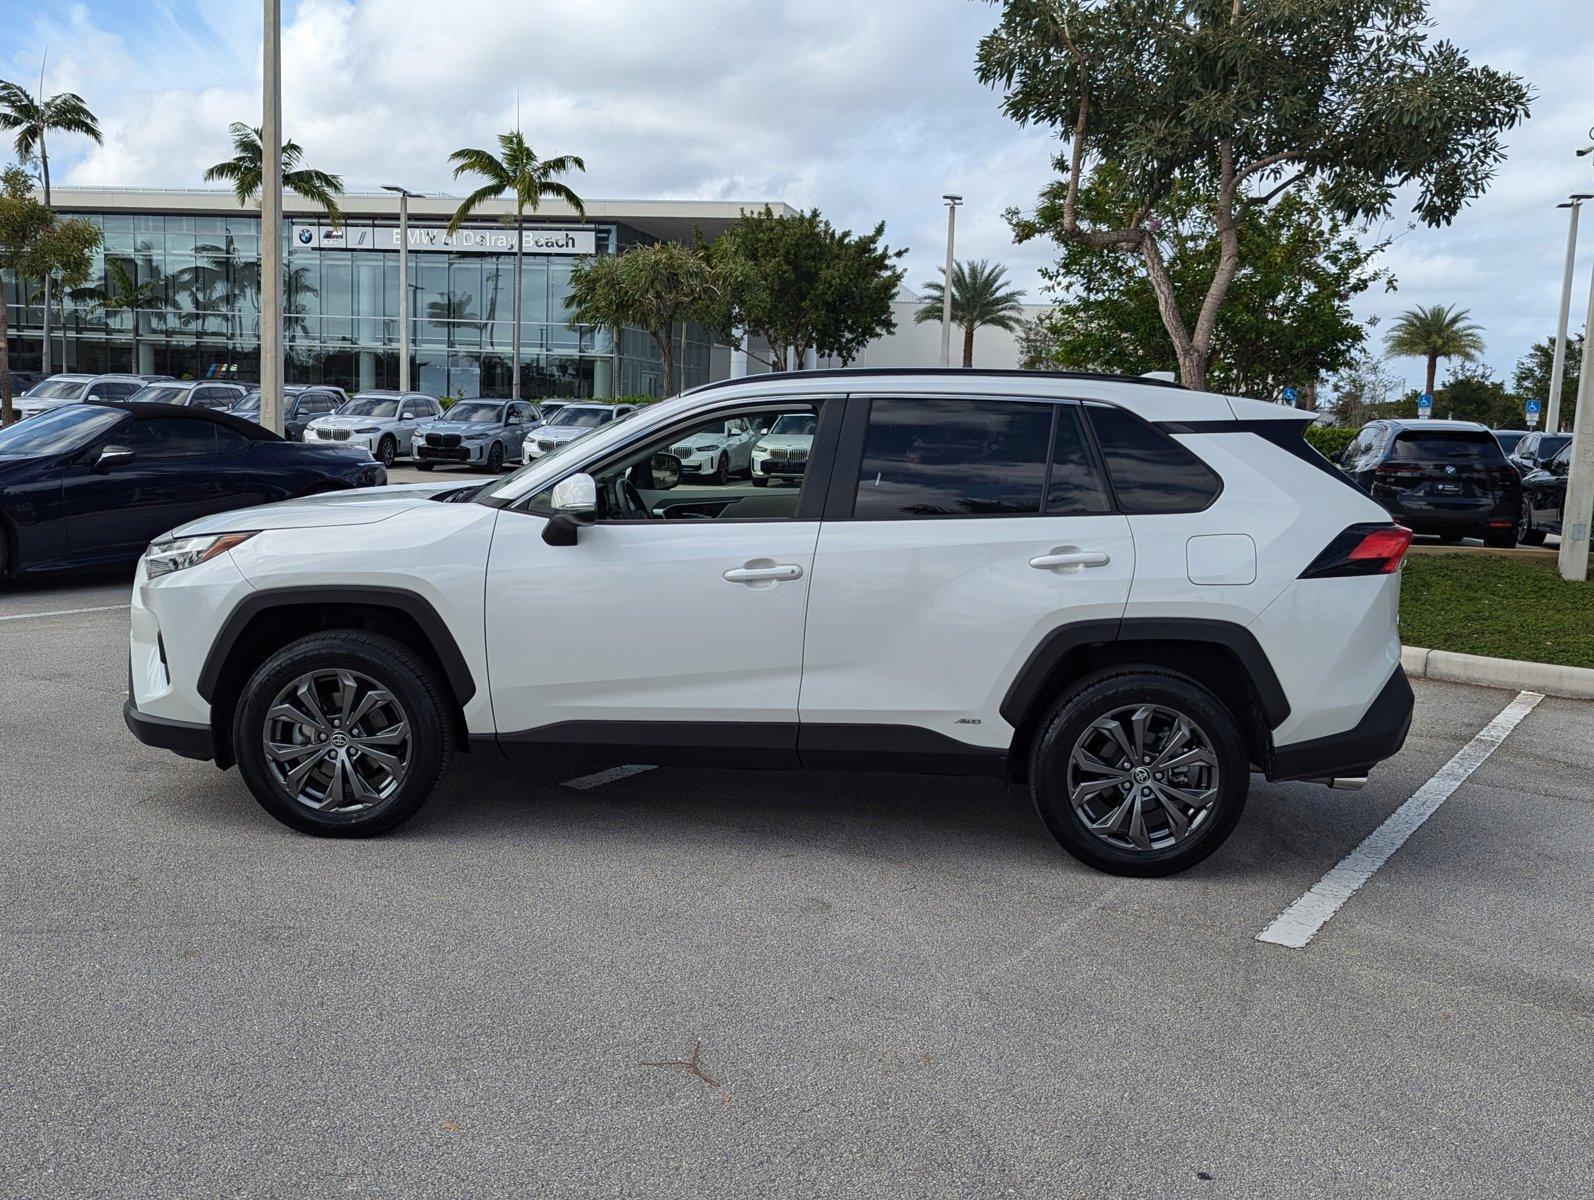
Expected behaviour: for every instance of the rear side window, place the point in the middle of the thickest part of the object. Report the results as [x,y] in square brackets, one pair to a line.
[953,458]
[1445,445]
[1151,473]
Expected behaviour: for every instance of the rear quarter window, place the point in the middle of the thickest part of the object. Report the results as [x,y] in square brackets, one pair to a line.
[1150,472]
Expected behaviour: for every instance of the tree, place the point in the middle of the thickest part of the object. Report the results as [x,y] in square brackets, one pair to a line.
[1531,379]
[35,244]
[1473,394]
[517,170]
[245,170]
[126,292]
[1366,390]
[31,118]
[1247,99]
[801,284]
[981,298]
[1432,333]
[654,288]
[1288,320]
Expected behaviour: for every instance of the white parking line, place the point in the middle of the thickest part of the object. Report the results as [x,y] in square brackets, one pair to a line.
[585,782]
[1299,923]
[64,612]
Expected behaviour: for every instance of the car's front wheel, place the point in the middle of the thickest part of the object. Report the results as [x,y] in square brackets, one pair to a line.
[343,734]
[386,451]
[1527,534]
[495,458]
[1139,771]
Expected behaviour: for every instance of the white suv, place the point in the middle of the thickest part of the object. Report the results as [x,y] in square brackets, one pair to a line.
[381,421]
[1127,594]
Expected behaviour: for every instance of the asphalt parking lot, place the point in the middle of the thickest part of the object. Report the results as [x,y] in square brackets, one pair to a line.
[887,986]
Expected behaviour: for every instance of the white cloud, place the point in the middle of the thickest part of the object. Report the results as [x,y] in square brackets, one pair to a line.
[869,111]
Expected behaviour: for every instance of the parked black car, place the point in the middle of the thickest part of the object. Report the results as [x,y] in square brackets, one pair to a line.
[22,381]
[301,404]
[1544,496]
[91,484]
[1536,450]
[1509,439]
[1447,478]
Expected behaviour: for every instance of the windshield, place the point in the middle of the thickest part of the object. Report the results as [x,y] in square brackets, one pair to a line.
[477,412]
[160,393]
[58,431]
[370,406]
[58,389]
[796,423]
[1508,440]
[1446,445]
[249,404]
[581,418]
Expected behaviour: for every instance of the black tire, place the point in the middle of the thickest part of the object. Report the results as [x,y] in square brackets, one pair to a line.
[1069,722]
[416,693]
[722,471]
[495,458]
[1449,539]
[386,451]
[1527,534]
[424,466]
[1501,539]
[760,480]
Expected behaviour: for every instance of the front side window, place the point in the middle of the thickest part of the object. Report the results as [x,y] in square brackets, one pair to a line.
[1150,472]
[168,437]
[953,458]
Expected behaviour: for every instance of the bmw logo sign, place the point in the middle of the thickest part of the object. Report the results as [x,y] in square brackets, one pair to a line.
[305,237]
[1450,470]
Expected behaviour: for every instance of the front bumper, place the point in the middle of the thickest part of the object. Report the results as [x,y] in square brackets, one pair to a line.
[1378,735]
[771,469]
[464,453]
[180,737]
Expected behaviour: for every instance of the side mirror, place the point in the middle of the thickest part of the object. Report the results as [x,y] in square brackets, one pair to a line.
[665,470]
[575,503]
[112,456]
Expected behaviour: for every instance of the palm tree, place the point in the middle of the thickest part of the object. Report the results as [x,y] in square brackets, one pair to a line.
[515,169]
[1433,333]
[244,170]
[980,297]
[125,293]
[31,118]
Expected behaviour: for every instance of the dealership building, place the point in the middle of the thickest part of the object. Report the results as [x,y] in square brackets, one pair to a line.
[199,253]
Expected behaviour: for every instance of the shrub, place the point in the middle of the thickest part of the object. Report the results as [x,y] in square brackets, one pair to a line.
[1329,440]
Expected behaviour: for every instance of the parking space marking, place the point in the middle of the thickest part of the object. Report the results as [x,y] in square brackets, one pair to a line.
[64,612]
[586,782]
[1299,923]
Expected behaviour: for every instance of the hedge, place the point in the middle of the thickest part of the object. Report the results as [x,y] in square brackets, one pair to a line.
[1329,440]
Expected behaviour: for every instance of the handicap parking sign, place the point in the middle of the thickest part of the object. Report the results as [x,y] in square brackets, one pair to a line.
[1533,406]
[1425,400]
[1290,396]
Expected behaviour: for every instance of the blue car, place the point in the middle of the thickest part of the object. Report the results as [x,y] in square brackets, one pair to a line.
[93,484]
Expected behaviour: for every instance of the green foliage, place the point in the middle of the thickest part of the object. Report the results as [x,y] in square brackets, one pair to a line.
[517,171]
[1503,607]
[1366,390]
[1330,440]
[1248,99]
[245,170]
[801,283]
[1531,380]
[31,118]
[1434,332]
[981,298]
[1473,394]
[1288,319]
[654,288]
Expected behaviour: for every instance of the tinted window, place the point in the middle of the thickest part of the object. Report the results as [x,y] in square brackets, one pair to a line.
[161,393]
[1550,445]
[58,430]
[951,458]
[114,391]
[1076,485]
[168,437]
[1508,440]
[1445,445]
[1151,473]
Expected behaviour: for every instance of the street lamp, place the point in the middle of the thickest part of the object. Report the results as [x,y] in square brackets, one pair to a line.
[404,195]
[952,203]
[1552,418]
[271,221]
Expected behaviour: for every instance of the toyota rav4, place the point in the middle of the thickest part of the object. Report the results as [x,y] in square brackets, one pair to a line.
[1123,594]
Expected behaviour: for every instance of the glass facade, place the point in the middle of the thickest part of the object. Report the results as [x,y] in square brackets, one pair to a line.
[198,314]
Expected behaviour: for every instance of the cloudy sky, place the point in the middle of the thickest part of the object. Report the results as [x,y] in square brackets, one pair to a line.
[868,110]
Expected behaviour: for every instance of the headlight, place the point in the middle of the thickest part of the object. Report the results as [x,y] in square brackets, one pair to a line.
[162,558]
[477,437]
[369,429]
[711,448]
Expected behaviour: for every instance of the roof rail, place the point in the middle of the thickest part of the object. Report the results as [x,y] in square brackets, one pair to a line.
[933,372]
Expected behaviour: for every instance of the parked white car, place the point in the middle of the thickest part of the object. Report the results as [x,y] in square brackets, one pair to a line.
[720,451]
[1127,595]
[384,422]
[573,421]
[782,453]
[199,393]
[71,389]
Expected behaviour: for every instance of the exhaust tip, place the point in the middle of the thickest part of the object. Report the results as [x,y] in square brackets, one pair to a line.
[1348,783]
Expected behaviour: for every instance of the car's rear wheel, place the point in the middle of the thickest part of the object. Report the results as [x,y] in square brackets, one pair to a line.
[1526,533]
[342,734]
[1139,771]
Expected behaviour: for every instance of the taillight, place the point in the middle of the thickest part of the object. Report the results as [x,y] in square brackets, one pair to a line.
[1361,550]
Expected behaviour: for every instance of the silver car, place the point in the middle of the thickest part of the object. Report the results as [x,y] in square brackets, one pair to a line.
[574,421]
[477,433]
[69,389]
[199,393]
[382,421]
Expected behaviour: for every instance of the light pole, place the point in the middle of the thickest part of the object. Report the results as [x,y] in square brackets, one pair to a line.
[1579,506]
[404,195]
[952,203]
[1552,416]
[271,222]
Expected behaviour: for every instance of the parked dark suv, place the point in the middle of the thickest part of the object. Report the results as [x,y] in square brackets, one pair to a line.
[1446,478]
[1544,495]
[1535,450]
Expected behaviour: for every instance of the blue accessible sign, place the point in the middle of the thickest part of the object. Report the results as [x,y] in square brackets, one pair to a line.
[1425,402]
[1291,396]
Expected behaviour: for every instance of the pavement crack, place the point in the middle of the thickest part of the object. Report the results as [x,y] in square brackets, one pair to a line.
[689,1064]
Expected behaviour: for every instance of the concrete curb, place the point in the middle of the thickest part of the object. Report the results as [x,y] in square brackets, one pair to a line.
[1576,683]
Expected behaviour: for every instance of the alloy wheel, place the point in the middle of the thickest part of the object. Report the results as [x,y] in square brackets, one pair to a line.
[338,743]
[1143,777]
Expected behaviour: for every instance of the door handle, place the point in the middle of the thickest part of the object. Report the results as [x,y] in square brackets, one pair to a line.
[1070,558]
[774,573]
